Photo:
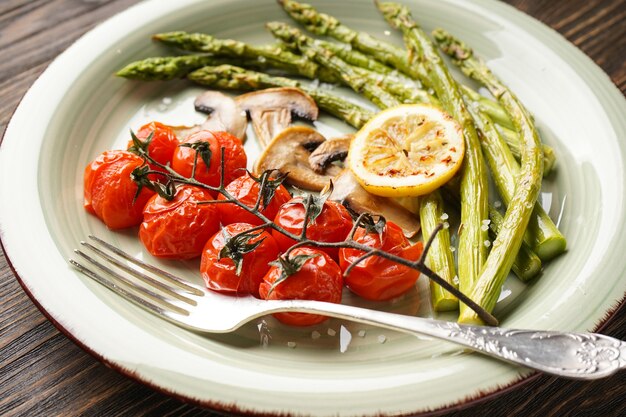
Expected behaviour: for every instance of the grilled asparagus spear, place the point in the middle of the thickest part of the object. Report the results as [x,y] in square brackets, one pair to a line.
[272,56]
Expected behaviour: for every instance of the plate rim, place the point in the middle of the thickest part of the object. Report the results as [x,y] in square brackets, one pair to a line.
[460,404]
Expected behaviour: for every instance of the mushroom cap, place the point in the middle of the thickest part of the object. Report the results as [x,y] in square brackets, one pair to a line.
[271,110]
[294,99]
[224,113]
[332,150]
[289,152]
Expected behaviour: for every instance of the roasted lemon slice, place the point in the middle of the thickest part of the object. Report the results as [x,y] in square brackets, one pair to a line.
[408,150]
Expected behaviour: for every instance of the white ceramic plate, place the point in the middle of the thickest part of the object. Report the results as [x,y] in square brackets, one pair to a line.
[77,109]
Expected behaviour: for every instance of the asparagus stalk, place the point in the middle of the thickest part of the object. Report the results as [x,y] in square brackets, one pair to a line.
[405,92]
[528,183]
[495,111]
[439,257]
[474,187]
[356,58]
[527,264]
[229,77]
[350,76]
[513,142]
[541,234]
[166,68]
[273,56]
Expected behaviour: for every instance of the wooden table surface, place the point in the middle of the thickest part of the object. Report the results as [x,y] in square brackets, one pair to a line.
[42,373]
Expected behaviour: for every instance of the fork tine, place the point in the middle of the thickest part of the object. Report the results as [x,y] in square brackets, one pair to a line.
[193,289]
[140,289]
[141,302]
[174,292]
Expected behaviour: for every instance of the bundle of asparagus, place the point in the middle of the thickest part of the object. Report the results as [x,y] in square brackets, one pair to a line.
[500,131]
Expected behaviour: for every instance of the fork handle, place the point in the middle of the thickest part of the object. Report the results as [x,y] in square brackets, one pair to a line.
[566,354]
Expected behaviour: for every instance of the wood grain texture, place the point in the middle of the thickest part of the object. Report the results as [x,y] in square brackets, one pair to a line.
[42,373]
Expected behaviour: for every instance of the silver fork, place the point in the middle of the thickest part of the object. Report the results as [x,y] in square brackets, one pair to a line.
[571,355]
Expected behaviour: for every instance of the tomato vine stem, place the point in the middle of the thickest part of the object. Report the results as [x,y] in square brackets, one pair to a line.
[301,239]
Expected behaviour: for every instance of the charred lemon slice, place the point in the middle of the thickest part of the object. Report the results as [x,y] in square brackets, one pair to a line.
[408,150]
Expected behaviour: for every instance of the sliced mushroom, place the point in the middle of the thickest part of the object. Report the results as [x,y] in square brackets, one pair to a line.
[330,151]
[348,191]
[270,110]
[289,152]
[224,115]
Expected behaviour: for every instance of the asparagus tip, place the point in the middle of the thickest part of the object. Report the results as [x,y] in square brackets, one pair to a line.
[397,15]
[273,25]
[451,46]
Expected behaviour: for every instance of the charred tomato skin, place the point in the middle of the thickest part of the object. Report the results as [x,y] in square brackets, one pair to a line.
[220,274]
[235,159]
[178,229]
[246,190]
[110,192]
[332,225]
[376,278]
[162,145]
[319,279]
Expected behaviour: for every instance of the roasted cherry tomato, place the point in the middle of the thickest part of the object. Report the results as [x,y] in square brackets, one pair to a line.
[319,278]
[234,157]
[246,190]
[332,225]
[221,274]
[162,145]
[109,191]
[376,278]
[179,228]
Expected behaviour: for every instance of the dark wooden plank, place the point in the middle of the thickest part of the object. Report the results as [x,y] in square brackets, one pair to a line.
[44,373]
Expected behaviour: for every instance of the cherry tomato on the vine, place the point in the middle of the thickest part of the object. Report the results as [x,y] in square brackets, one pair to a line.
[109,191]
[179,228]
[162,146]
[318,278]
[376,278]
[333,224]
[255,251]
[246,190]
[209,145]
